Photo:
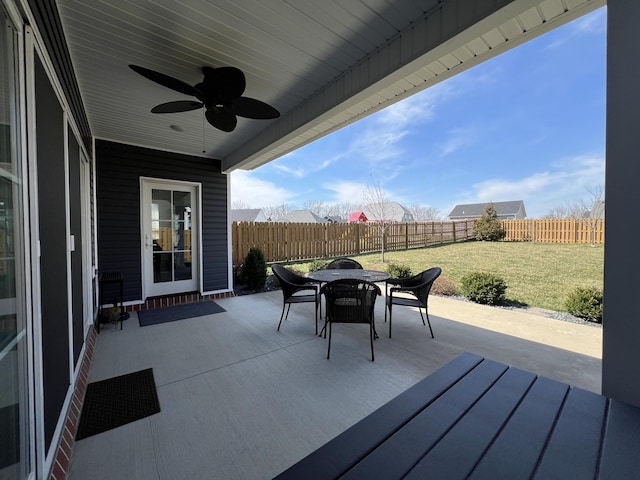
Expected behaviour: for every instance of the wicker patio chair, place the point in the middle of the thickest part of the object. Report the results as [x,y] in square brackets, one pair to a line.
[350,301]
[343,262]
[292,284]
[418,287]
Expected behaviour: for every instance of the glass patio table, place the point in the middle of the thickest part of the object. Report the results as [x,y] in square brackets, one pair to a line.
[348,273]
[330,275]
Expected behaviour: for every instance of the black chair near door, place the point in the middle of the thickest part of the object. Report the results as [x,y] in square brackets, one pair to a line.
[292,285]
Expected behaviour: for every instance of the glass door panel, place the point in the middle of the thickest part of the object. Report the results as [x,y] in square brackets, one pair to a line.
[170,227]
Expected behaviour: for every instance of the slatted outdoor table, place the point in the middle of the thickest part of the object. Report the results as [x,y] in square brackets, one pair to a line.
[480,419]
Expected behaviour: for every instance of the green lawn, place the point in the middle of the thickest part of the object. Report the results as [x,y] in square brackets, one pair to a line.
[537,274]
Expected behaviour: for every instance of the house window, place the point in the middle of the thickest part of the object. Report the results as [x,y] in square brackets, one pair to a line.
[14,432]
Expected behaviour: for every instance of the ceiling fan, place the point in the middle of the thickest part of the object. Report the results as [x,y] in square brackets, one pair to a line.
[220,93]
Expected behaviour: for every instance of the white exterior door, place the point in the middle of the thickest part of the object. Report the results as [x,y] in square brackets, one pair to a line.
[170,237]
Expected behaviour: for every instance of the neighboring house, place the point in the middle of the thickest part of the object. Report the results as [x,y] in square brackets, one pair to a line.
[248,215]
[334,219]
[512,210]
[357,217]
[391,211]
[302,216]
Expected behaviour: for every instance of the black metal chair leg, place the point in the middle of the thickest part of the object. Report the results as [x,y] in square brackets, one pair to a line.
[371,330]
[324,329]
[421,316]
[329,347]
[429,322]
[282,314]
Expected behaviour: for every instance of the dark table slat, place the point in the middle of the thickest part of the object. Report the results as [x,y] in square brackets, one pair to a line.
[479,419]
[344,451]
[516,451]
[621,448]
[475,431]
[574,446]
[396,456]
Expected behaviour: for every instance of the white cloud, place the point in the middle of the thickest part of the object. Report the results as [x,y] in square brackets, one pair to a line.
[295,172]
[377,145]
[256,193]
[458,138]
[416,108]
[345,192]
[567,181]
[595,22]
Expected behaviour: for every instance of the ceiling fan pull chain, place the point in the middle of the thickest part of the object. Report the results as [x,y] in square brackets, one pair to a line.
[203,132]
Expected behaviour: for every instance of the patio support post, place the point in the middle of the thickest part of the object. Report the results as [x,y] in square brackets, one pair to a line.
[621,322]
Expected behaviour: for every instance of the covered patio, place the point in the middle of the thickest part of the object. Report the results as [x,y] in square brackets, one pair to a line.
[240,400]
[84,154]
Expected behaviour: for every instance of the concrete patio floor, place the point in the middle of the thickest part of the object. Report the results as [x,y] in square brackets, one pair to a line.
[240,400]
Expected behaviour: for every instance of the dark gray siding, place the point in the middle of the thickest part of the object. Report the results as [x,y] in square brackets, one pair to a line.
[118,171]
[53,250]
[46,16]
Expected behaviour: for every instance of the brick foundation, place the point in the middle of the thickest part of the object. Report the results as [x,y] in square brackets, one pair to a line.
[170,300]
[60,467]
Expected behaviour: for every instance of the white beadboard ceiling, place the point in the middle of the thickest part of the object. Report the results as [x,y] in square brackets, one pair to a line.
[322,64]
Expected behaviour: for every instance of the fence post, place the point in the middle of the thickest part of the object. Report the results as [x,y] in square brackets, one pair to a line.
[406,236]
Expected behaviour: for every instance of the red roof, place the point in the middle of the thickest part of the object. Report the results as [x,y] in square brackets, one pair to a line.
[357,217]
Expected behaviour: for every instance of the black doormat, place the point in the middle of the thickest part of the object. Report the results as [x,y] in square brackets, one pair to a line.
[117,401]
[178,312]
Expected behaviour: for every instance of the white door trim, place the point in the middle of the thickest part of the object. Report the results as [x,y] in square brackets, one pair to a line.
[146,244]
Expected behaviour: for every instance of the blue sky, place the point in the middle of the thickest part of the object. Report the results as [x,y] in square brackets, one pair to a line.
[527,125]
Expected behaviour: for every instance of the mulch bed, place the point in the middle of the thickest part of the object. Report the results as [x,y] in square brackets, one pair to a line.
[270,285]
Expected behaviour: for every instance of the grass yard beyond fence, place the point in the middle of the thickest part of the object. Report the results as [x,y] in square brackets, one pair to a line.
[537,274]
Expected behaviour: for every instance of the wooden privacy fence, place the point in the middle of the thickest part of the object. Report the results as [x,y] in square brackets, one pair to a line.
[556,230]
[284,242]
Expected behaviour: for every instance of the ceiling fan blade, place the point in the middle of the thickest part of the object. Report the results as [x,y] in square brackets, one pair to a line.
[166,81]
[227,82]
[252,108]
[179,106]
[221,119]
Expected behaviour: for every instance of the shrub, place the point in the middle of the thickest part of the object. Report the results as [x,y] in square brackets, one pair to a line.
[585,303]
[488,227]
[254,269]
[318,265]
[485,288]
[443,286]
[399,270]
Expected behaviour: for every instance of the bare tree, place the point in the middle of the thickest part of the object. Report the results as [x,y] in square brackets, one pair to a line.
[376,204]
[594,210]
[274,212]
[424,213]
[345,209]
[573,209]
[319,207]
[239,205]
